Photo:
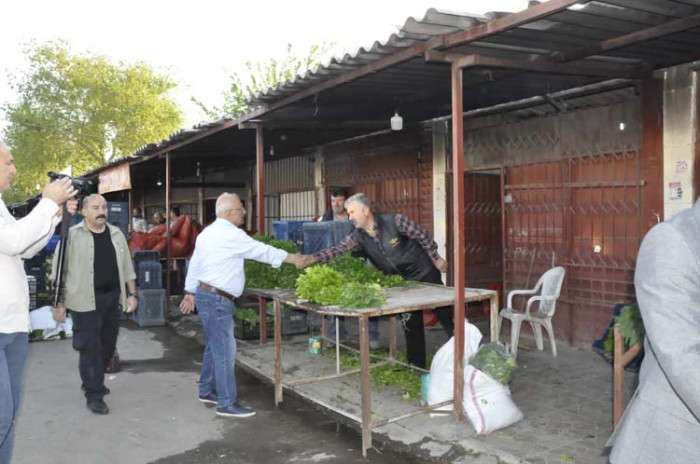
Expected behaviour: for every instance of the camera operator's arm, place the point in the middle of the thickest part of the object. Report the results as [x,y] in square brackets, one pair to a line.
[17,237]
[71,206]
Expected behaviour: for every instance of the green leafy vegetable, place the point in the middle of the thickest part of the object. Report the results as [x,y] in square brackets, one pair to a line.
[260,275]
[495,362]
[358,295]
[357,270]
[631,328]
[320,284]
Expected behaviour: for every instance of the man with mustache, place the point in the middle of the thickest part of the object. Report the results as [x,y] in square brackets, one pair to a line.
[98,280]
[395,245]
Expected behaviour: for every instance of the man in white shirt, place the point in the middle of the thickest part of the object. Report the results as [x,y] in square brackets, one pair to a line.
[18,240]
[214,278]
[138,223]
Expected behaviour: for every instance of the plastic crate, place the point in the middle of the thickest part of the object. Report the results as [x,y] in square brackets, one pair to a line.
[322,235]
[149,274]
[151,309]
[288,230]
[31,283]
[246,330]
[118,215]
[294,321]
[140,256]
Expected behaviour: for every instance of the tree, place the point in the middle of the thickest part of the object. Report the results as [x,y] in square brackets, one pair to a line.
[83,111]
[268,74]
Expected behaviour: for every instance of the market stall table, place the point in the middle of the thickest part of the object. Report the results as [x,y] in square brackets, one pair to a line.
[415,297]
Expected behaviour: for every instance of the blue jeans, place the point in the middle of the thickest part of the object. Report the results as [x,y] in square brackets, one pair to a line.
[13,354]
[218,373]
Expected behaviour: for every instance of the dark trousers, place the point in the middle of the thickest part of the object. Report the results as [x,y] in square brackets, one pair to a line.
[415,332]
[95,338]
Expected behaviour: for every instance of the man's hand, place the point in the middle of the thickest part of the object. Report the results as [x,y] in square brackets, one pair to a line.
[440,264]
[300,261]
[59,313]
[131,304]
[60,191]
[187,304]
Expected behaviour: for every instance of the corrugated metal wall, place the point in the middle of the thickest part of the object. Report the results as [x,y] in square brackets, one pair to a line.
[573,191]
[394,170]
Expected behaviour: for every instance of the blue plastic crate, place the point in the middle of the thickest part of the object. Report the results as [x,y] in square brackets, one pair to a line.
[321,235]
[118,215]
[151,309]
[288,230]
[150,274]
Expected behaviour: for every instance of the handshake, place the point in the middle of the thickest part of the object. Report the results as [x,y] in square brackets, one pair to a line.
[299,260]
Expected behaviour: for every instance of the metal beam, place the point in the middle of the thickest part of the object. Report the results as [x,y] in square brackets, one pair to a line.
[481,31]
[458,243]
[260,178]
[537,64]
[632,38]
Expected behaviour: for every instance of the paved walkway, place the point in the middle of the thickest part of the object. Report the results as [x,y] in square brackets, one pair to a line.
[566,402]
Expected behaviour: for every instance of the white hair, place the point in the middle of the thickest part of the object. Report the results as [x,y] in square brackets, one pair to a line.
[360,198]
[92,196]
[225,202]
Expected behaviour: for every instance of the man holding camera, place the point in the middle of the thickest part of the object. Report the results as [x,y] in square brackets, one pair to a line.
[20,239]
[98,271]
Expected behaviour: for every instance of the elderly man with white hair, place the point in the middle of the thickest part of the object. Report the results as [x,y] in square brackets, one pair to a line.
[215,277]
[20,239]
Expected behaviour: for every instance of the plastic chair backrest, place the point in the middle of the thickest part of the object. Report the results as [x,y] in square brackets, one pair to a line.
[552,281]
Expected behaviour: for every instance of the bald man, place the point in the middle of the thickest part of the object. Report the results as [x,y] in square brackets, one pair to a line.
[20,239]
[99,281]
[215,277]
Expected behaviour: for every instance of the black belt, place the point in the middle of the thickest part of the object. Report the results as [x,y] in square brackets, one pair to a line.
[212,289]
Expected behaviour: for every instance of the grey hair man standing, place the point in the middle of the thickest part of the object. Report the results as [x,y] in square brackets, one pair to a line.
[20,239]
[215,277]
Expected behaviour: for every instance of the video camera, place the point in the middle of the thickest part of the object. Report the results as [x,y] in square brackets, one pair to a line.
[83,185]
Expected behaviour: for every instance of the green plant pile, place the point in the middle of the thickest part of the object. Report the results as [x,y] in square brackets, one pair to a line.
[347,282]
[247,315]
[357,270]
[631,328]
[494,361]
[260,275]
[388,375]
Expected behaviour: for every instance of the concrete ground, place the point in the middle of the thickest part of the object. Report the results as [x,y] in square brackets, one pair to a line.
[567,403]
[156,418]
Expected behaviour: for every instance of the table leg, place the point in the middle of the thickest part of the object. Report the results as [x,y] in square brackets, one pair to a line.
[262,312]
[337,345]
[392,337]
[278,352]
[494,318]
[366,386]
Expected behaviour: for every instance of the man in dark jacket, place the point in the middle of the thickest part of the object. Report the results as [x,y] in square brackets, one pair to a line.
[337,210]
[395,245]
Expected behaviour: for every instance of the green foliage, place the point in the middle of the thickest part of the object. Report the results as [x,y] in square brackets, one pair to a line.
[346,281]
[261,275]
[359,295]
[357,270]
[248,315]
[83,111]
[387,375]
[494,361]
[320,284]
[631,328]
[268,74]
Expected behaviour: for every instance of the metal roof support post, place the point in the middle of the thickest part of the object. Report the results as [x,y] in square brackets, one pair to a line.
[458,221]
[167,221]
[260,177]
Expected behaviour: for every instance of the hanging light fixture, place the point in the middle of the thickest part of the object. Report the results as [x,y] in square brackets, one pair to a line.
[159,182]
[396,122]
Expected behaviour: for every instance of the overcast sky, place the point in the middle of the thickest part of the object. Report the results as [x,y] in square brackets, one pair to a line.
[200,43]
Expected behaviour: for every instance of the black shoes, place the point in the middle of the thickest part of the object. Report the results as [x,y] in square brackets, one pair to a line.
[98,407]
[106,390]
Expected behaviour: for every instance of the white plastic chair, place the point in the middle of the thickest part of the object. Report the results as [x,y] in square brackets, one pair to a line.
[546,293]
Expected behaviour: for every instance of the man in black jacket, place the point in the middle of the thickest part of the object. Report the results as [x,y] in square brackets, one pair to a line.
[395,245]
[337,210]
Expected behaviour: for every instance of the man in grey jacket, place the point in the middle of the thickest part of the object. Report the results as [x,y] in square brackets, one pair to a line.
[98,281]
[662,421]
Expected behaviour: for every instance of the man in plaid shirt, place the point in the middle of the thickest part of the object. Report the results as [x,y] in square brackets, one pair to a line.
[395,245]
